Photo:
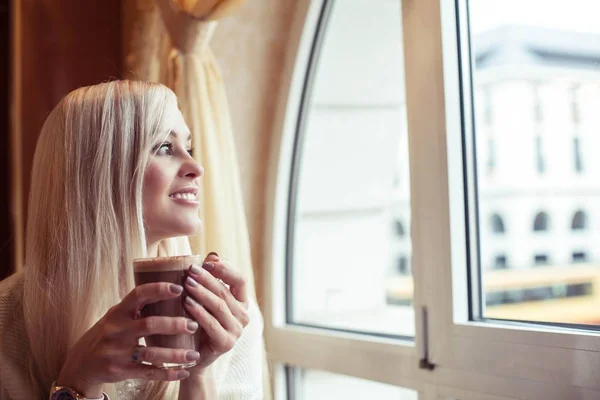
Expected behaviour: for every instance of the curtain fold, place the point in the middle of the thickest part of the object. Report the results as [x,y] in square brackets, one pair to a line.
[209,9]
[167,41]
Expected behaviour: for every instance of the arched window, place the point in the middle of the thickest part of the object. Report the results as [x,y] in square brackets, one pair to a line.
[579,221]
[335,109]
[497,224]
[541,222]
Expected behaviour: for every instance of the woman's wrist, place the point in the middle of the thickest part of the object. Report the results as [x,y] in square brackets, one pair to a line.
[198,386]
[199,377]
[82,387]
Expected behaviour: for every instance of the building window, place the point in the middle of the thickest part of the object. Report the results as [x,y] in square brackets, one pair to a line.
[399,228]
[539,156]
[497,224]
[402,266]
[577,154]
[579,221]
[541,222]
[579,257]
[540,259]
[501,262]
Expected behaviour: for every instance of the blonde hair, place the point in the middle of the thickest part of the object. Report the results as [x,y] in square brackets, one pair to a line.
[85,220]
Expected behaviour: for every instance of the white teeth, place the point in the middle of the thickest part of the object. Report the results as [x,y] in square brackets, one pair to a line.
[186,196]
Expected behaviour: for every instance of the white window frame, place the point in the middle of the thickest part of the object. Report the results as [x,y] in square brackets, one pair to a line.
[535,361]
[357,355]
[473,360]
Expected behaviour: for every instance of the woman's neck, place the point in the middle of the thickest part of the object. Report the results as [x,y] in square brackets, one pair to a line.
[152,250]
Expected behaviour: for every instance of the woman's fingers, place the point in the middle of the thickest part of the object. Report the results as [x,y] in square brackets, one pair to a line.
[238,309]
[162,326]
[220,339]
[217,306]
[161,355]
[235,280]
[152,373]
[147,294]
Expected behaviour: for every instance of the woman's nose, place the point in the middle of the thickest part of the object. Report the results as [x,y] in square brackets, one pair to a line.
[192,169]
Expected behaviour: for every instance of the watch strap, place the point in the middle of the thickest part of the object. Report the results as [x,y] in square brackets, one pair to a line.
[58,392]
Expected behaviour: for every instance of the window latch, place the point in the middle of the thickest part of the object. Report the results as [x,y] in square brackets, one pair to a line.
[424,362]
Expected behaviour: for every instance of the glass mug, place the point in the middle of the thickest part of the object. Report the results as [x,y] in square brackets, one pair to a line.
[173,270]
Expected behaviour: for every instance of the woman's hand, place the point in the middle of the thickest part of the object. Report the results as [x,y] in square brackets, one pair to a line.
[218,301]
[108,352]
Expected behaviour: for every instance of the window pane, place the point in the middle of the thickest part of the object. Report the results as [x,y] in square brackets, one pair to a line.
[536,93]
[351,250]
[321,385]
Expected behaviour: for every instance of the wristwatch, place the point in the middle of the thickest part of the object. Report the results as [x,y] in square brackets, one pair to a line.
[65,393]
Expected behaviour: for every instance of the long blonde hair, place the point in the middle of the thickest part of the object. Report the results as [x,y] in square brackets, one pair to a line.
[85,221]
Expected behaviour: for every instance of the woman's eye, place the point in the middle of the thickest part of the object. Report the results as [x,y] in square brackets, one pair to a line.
[191,152]
[165,149]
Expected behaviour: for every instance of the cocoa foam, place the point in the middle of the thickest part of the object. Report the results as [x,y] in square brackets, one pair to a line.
[159,264]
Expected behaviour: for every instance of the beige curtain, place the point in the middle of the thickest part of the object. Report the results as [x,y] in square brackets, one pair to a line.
[167,41]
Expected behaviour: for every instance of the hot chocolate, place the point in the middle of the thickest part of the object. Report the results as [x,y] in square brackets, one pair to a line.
[173,270]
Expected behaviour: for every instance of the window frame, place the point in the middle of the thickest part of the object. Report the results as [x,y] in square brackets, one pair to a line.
[287,343]
[482,359]
[483,345]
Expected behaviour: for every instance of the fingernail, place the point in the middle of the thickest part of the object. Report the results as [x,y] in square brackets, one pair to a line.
[182,374]
[212,253]
[192,326]
[191,282]
[175,289]
[192,356]
[195,270]
[208,266]
[191,302]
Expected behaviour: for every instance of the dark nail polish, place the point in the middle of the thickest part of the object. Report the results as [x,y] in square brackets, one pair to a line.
[191,302]
[208,266]
[175,289]
[192,356]
[192,326]
[182,374]
[213,253]
[191,282]
[195,270]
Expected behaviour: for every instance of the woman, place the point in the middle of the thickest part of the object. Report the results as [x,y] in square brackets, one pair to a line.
[108,167]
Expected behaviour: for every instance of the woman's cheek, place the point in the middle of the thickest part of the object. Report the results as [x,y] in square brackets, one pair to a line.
[155,181]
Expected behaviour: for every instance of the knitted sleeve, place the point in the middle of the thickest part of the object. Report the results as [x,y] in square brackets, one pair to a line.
[244,376]
[15,382]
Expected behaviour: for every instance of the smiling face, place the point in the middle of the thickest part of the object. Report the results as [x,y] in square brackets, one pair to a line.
[171,183]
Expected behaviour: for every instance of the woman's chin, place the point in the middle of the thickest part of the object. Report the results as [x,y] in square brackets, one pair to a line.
[179,230]
[191,229]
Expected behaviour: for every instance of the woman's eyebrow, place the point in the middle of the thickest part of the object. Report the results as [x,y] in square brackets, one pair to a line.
[174,134]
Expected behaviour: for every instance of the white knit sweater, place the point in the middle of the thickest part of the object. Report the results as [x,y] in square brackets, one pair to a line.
[238,373]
